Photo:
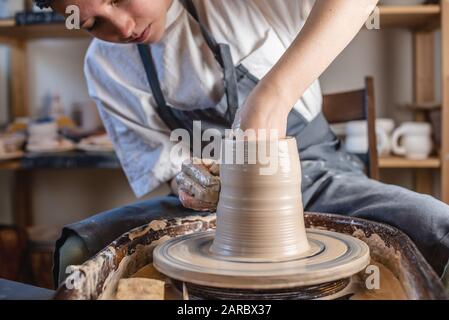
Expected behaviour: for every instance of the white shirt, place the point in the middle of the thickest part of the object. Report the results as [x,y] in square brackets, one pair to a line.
[258,32]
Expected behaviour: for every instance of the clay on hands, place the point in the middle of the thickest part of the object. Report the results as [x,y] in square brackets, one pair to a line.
[199,184]
[263,109]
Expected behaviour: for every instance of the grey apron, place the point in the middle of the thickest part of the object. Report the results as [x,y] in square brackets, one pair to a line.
[333,180]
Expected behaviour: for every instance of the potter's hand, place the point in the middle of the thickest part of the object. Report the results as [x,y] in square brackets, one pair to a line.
[263,109]
[199,184]
[330,27]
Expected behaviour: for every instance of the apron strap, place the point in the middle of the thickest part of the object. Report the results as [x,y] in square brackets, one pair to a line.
[230,80]
[162,109]
[222,53]
[210,40]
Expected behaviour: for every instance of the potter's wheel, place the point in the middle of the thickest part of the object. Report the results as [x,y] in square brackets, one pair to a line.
[260,246]
[332,257]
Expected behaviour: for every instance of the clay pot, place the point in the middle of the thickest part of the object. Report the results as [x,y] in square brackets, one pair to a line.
[260,212]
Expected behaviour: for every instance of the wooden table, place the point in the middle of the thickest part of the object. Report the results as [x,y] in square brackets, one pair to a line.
[23,170]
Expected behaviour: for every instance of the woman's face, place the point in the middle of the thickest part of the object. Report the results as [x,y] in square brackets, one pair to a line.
[121,21]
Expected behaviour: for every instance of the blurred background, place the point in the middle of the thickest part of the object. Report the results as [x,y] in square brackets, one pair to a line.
[57,166]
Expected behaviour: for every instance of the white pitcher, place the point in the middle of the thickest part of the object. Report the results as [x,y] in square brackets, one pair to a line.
[357,136]
[413,140]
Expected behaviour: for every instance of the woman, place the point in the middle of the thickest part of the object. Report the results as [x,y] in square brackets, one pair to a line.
[160,65]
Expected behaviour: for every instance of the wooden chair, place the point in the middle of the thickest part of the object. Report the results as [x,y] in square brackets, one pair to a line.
[352,106]
[12,253]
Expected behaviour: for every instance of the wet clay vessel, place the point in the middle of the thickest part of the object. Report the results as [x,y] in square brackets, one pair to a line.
[261,242]
[253,194]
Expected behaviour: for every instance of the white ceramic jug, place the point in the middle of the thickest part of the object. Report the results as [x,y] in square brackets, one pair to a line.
[357,136]
[413,140]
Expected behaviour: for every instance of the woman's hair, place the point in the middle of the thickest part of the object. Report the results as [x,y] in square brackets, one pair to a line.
[43,3]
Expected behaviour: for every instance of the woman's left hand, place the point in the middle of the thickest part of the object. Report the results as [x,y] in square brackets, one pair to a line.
[263,109]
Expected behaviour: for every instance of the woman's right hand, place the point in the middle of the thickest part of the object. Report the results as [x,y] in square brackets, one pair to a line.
[199,184]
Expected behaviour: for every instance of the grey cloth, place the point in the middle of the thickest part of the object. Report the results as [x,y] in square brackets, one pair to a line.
[423,218]
[344,191]
[333,181]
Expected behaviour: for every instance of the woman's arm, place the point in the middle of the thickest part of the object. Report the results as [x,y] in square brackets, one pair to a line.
[330,27]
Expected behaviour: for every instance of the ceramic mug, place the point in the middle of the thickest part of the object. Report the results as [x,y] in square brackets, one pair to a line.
[2,147]
[357,136]
[12,142]
[413,140]
[40,133]
[385,127]
[400,2]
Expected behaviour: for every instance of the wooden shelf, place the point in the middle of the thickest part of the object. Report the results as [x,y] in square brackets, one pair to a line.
[9,31]
[5,23]
[10,165]
[63,160]
[403,163]
[414,17]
